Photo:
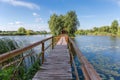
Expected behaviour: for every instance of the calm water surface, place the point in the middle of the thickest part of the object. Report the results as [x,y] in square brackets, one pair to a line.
[30,39]
[103,52]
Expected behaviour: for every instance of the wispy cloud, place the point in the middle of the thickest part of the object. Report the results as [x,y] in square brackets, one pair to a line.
[113,1]
[37,17]
[35,14]
[16,23]
[21,3]
[118,2]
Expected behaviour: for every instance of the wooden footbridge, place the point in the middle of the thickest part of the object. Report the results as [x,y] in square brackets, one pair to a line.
[56,66]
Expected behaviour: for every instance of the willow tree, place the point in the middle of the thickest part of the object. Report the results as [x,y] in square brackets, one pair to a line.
[114,27]
[71,23]
[68,22]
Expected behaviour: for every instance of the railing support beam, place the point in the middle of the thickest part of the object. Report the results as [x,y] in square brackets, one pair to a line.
[52,42]
[43,52]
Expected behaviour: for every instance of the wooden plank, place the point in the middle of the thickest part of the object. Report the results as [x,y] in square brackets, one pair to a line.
[57,64]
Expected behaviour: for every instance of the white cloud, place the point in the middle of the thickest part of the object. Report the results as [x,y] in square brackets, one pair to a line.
[16,23]
[21,3]
[37,17]
[35,14]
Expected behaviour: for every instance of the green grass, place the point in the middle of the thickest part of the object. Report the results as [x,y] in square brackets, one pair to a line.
[6,74]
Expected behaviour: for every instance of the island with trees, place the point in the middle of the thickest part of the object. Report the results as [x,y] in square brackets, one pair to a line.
[67,23]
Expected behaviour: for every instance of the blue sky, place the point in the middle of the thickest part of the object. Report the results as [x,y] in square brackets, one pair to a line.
[34,14]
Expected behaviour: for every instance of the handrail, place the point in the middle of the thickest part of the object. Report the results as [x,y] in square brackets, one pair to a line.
[8,55]
[88,70]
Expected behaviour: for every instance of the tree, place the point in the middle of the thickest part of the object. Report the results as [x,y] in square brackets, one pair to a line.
[53,24]
[68,22]
[71,22]
[114,27]
[29,32]
[22,30]
[95,29]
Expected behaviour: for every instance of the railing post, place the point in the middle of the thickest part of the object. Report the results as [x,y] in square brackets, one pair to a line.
[70,47]
[68,43]
[70,51]
[42,52]
[52,42]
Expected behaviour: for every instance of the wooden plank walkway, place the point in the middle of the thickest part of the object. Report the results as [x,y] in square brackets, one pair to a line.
[57,64]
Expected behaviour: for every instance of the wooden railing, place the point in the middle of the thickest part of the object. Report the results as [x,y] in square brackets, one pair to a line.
[11,54]
[87,69]
[16,57]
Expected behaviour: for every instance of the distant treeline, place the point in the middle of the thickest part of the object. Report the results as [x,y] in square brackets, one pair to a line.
[23,31]
[113,30]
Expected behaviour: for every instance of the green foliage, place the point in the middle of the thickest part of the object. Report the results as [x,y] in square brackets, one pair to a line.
[81,32]
[7,45]
[31,72]
[71,22]
[22,30]
[114,27]
[112,30]
[53,24]
[68,22]
[6,74]
[29,32]
[20,72]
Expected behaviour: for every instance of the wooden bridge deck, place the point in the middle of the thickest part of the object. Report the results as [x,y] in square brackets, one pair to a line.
[57,64]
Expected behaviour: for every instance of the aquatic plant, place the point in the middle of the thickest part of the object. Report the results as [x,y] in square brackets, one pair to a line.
[7,44]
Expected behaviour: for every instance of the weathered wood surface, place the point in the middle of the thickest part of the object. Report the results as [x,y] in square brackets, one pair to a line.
[57,64]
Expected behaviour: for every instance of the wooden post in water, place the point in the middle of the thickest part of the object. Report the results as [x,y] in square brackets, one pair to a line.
[42,52]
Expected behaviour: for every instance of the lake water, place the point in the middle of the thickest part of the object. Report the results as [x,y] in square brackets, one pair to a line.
[30,39]
[103,52]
